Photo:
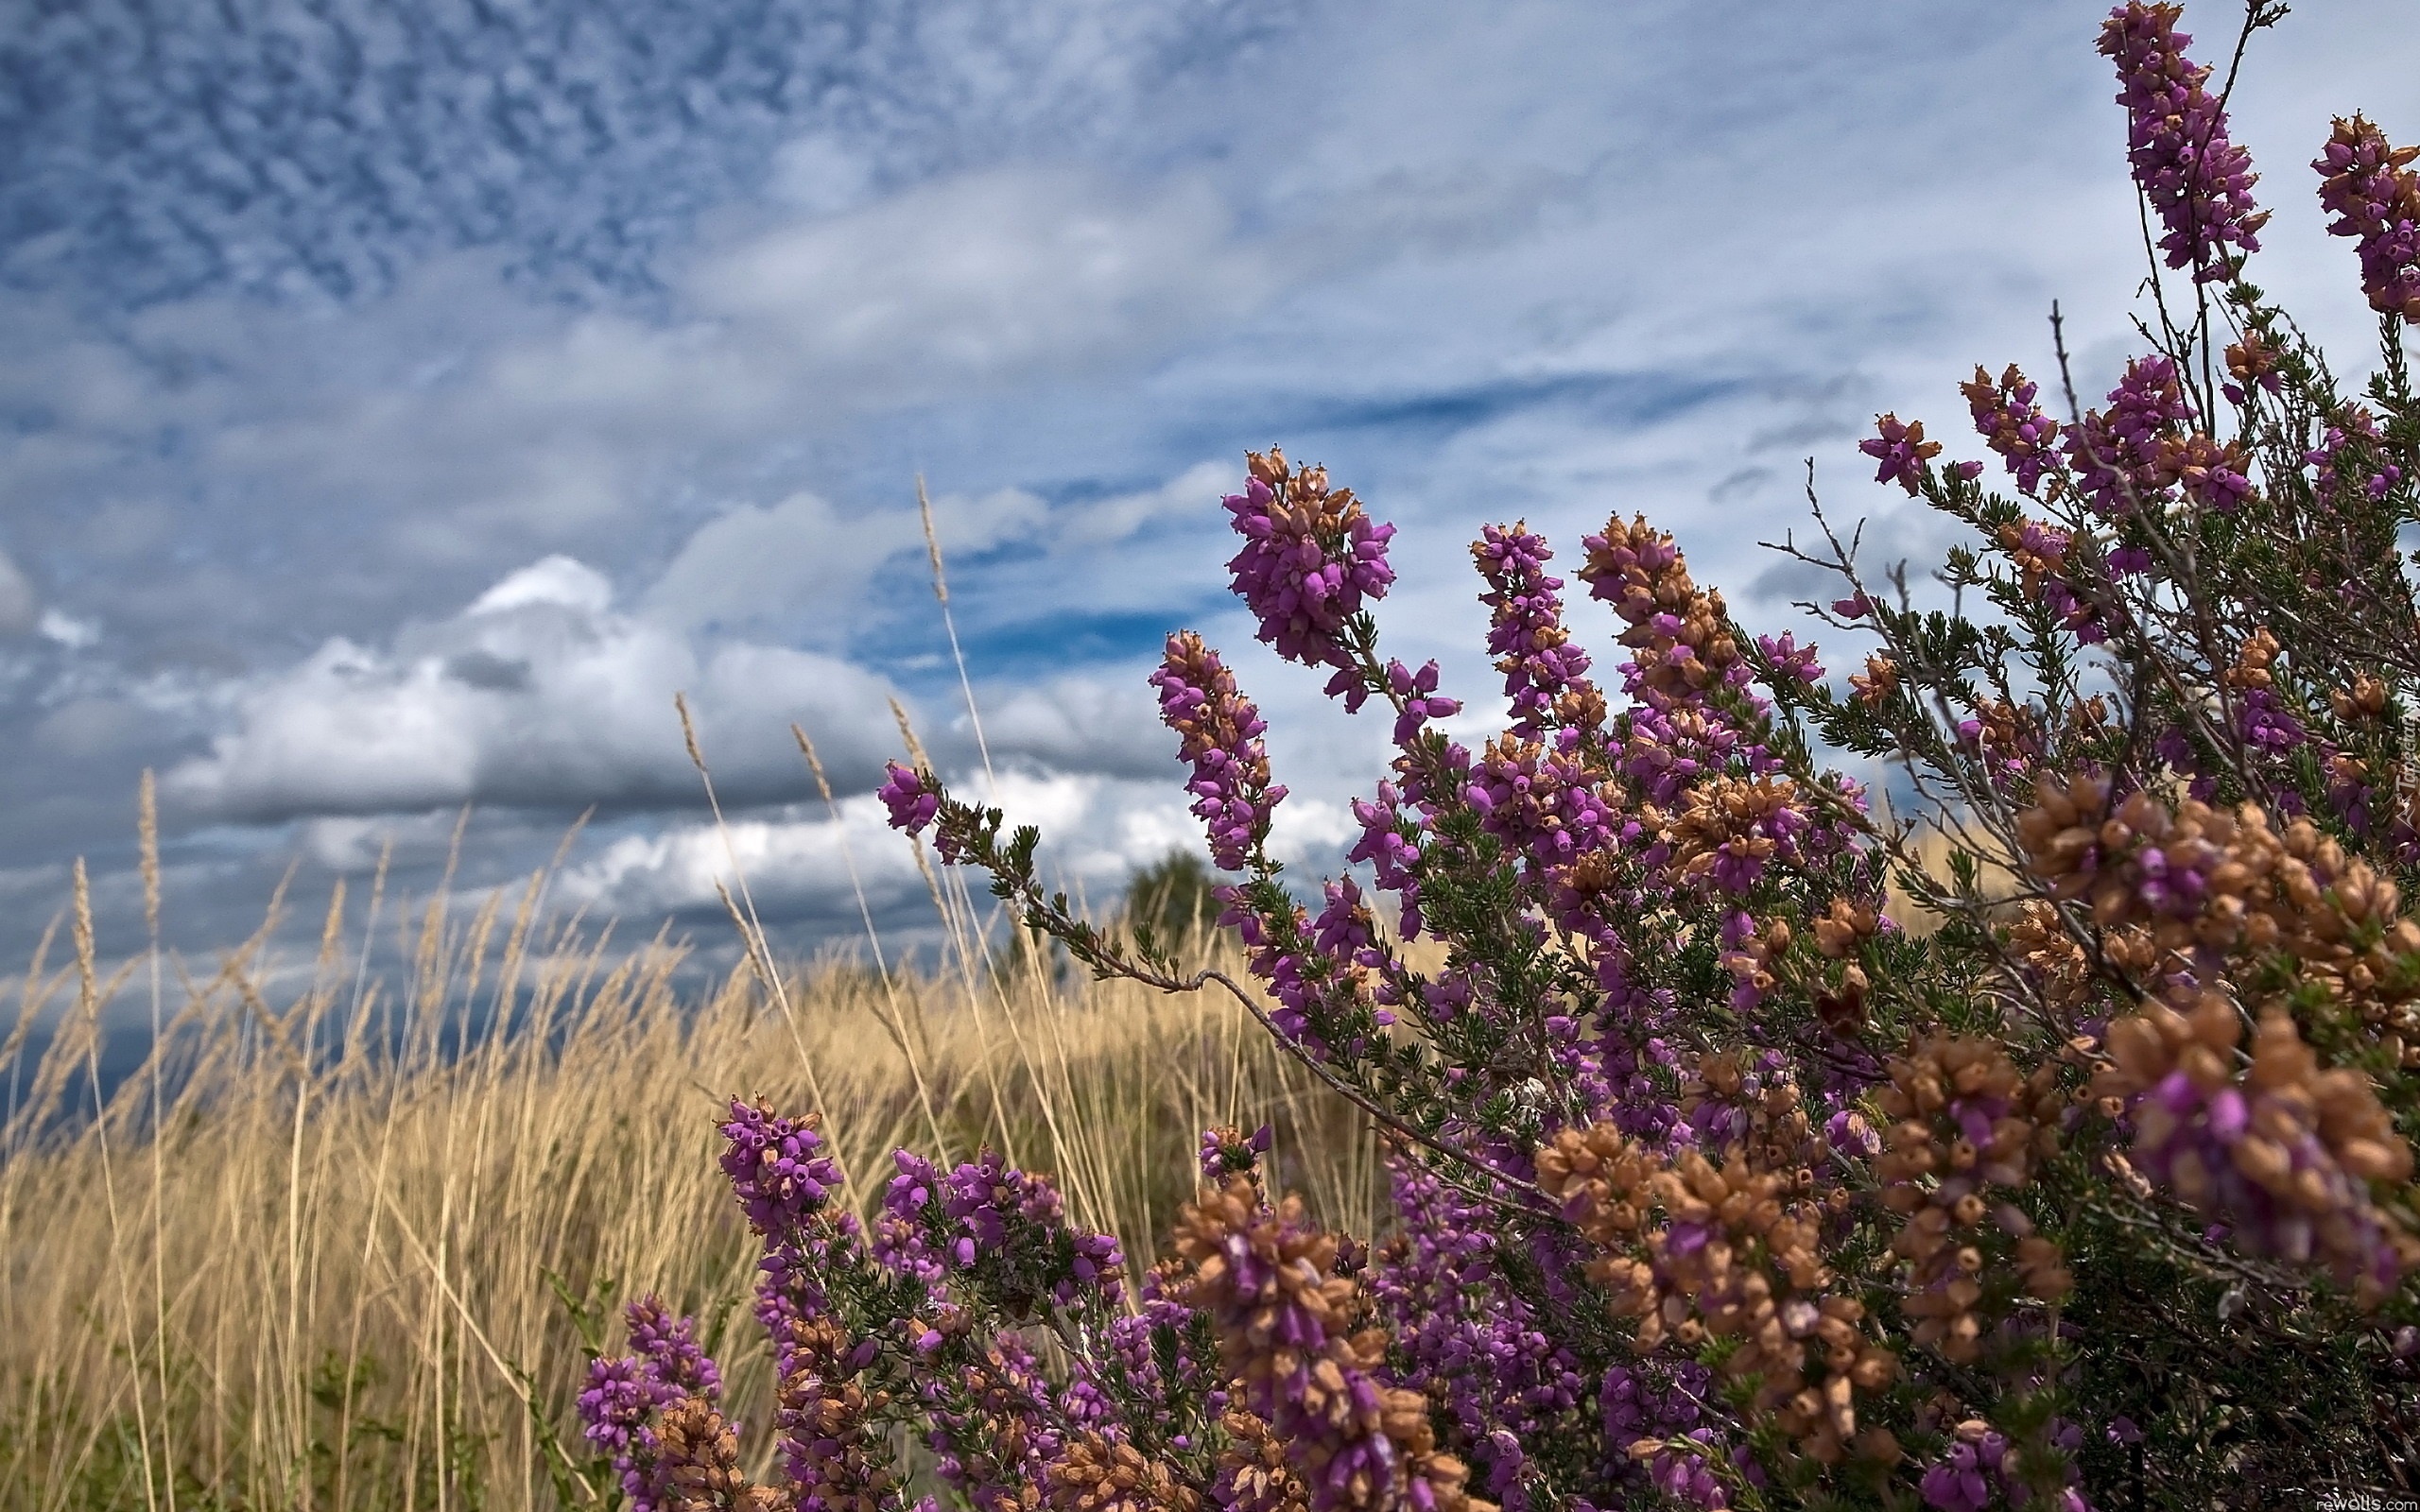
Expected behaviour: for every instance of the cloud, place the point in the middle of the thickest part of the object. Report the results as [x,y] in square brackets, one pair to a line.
[1082,723]
[65,629]
[802,565]
[795,867]
[1098,831]
[408,432]
[19,608]
[977,279]
[320,150]
[539,695]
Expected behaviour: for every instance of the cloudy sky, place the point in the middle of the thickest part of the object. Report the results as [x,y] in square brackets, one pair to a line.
[402,398]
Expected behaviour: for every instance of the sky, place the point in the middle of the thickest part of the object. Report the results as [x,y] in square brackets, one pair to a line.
[402,400]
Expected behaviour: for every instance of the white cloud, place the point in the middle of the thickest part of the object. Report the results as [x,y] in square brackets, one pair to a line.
[557,580]
[980,278]
[540,694]
[1096,832]
[66,629]
[1188,496]
[790,865]
[1094,723]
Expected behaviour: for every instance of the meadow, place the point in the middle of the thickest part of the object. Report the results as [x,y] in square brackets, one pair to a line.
[365,1260]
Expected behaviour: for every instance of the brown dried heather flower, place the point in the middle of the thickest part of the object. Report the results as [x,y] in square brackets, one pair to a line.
[2199,879]
[2285,1155]
[1729,828]
[837,1459]
[1767,1122]
[1253,1470]
[1680,631]
[1964,1120]
[2364,699]
[2252,362]
[2195,877]
[1878,682]
[1751,962]
[1728,1261]
[2043,947]
[1273,1287]
[1845,927]
[698,1458]
[1096,1475]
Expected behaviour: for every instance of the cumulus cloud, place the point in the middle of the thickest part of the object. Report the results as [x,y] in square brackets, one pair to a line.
[1093,723]
[541,693]
[65,629]
[798,865]
[1098,831]
[978,278]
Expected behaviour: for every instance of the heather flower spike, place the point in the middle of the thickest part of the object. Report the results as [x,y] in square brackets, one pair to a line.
[2197,180]
[1311,558]
[2367,184]
[1220,730]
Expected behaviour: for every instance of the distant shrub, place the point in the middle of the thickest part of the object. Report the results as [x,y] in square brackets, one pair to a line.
[1713,1186]
[1174,895]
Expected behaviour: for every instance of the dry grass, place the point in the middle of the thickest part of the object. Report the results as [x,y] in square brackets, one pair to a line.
[327,1282]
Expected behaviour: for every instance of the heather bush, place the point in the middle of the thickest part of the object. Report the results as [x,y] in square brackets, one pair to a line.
[1713,1186]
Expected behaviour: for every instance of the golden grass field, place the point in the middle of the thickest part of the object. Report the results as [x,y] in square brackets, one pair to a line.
[328,1285]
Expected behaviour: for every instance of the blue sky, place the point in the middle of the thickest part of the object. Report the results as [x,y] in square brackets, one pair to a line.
[404,400]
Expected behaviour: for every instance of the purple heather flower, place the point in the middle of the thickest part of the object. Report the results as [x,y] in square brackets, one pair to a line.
[2117,454]
[1789,658]
[987,1220]
[614,1411]
[1471,1343]
[1388,853]
[2011,423]
[615,1403]
[1421,702]
[1344,930]
[1964,1482]
[624,1393]
[994,1422]
[2191,1137]
[778,1167]
[1525,634]
[2376,198]
[2197,180]
[910,797]
[1539,801]
[669,1346]
[1317,994]
[1227,1152]
[1311,558]
[1901,448]
[1219,729]
[1660,1402]
[2354,433]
